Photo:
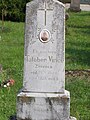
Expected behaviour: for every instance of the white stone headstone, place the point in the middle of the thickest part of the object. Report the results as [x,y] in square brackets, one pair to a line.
[44,63]
[43,96]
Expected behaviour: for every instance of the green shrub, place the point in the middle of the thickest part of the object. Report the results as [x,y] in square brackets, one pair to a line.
[13,10]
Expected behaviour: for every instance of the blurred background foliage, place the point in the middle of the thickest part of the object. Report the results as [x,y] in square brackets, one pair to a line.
[14,10]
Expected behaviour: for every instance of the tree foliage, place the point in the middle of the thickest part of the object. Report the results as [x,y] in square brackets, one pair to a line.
[13,10]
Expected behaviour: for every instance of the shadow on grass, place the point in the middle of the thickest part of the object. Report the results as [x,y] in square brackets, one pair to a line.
[78,54]
[83,29]
[83,14]
[86,32]
[4,30]
[79,26]
[12,117]
[80,44]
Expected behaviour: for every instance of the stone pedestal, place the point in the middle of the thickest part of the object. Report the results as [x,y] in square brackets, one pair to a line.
[75,5]
[43,106]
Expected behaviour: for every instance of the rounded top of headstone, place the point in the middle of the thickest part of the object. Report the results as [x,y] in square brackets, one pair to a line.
[59,2]
[37,1]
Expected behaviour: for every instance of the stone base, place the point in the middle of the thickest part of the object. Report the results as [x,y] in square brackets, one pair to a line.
[43,106]
[74,10]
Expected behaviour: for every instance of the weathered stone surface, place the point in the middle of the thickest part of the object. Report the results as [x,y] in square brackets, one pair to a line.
[43,106]
[44,62]
[43,96]
[75,5]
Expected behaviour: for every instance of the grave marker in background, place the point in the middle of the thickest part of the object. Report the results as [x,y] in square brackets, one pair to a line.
[43,96]
[75,5]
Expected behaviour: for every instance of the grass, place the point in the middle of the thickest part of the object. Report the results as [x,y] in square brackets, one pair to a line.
[11,58]
[78,41]
[79,88]
[77,57]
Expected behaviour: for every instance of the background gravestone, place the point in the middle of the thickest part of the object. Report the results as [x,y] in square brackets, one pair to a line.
[43,96]
[75,5]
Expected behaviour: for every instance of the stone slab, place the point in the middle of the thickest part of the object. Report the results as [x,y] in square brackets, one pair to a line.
[44,61]
[43,106]
[75,5]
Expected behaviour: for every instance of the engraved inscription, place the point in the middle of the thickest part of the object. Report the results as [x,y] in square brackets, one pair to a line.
[38,59]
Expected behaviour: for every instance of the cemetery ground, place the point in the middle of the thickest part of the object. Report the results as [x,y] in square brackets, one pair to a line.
[77,63]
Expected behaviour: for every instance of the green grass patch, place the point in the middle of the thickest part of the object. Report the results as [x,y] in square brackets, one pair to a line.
[11,58]
[77,57]
[78,41]
[79,88]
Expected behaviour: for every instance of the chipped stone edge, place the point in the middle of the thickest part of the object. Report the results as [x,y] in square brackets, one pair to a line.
[29,3]
[56,1]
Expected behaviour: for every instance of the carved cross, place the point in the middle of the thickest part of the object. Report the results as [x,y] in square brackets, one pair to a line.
[45,9]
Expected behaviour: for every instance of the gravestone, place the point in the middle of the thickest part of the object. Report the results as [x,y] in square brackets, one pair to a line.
[43,96]
[75,5]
